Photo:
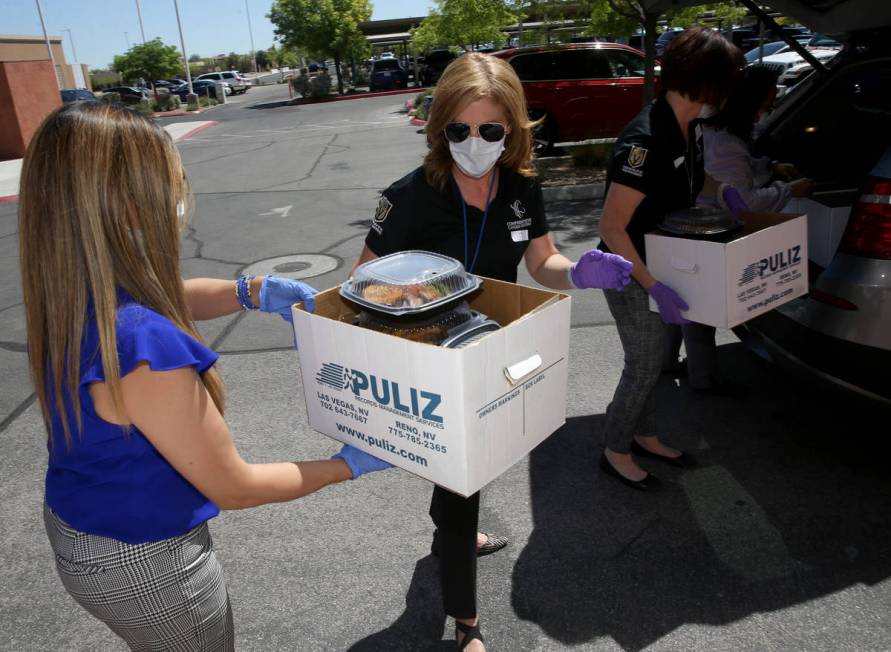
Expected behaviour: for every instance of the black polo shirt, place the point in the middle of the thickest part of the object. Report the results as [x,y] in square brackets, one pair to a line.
[652,157]
[414,215]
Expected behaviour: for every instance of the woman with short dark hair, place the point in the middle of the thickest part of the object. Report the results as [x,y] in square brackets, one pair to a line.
[657,166]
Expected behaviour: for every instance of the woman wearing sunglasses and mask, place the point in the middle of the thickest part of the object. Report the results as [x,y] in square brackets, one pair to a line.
[474,199]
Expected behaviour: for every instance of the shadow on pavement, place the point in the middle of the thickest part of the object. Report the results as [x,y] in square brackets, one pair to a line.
[576,221]
[791,502]
[422,621]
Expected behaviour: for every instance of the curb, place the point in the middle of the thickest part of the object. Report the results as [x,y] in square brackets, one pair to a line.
[189,134]
[417,122]
[10,198]
[358,96]
[574,193]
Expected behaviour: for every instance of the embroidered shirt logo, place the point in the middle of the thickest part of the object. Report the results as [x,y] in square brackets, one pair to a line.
[518,209]
[383,209]
[637,156]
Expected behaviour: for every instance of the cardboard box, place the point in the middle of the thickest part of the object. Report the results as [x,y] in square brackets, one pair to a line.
[457,417]
[727,283]
[827,216]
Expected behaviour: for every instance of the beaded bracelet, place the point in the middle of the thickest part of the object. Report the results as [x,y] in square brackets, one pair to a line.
[243,292]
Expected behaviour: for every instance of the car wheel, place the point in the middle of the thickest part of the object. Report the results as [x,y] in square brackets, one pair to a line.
[544,135]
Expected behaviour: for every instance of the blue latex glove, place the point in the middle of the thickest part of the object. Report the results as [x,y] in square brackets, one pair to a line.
[596,269]
[670,304]
[734,201]
[278,294]
[360,462]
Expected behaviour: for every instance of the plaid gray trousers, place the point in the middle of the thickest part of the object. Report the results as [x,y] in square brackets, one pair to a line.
[642,333]
[163,595]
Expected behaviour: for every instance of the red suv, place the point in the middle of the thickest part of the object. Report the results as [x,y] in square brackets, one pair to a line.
[585,90]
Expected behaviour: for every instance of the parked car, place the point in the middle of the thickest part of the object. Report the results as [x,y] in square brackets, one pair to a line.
[234,80]
[205,87]
[129,94]
[435,63]
[836,127]
[770,49]
[77,95]
[741,36]
[582,90]
[386,74]
[784,62]
[665,38]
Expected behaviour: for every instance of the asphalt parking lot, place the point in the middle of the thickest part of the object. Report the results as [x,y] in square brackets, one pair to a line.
[780,540]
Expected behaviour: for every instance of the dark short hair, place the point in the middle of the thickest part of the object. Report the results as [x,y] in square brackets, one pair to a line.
[739,112]
[702,65]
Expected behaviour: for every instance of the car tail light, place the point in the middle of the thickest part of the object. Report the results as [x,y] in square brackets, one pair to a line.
[869,228]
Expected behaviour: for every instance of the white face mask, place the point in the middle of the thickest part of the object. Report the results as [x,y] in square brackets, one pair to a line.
[475,156]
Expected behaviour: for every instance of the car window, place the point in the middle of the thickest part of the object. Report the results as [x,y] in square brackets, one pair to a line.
[582,64]
[386,64]
[625,64]
[538,66]
[229,75]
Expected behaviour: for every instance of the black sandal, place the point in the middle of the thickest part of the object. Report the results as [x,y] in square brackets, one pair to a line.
[471,633]
[493,543]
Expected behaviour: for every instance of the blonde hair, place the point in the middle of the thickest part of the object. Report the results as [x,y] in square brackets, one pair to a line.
[469,78]
[98,210]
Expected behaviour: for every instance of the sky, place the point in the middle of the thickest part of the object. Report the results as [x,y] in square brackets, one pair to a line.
[103,28]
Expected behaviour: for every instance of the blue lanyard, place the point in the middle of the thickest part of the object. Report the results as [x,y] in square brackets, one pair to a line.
[479,241]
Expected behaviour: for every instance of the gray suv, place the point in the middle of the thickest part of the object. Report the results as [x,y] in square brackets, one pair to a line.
[235,81]
[836,127]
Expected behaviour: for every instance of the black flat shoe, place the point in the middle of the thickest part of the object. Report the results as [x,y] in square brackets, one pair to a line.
[471,633]
[649,483]
[682,461]
[493,543]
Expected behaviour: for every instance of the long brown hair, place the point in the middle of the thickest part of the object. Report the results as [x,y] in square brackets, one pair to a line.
[98,210]
[467,79]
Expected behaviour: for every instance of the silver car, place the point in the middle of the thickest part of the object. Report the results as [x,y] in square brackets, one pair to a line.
[837,128]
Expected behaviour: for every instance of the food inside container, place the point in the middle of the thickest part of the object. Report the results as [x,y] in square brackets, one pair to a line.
[409,282]
[430,329]
[700,221]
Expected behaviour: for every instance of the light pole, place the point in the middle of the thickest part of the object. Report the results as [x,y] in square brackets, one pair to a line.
[182,42]
[48,46]
[127,38]
[71,38]
[251,34]
[141,28]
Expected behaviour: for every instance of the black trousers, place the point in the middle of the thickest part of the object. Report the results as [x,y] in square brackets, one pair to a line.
[457,520]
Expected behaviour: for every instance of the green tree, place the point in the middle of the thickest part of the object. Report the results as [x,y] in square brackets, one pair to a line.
[328,27]
[467,23]
[150,61]
[623,17]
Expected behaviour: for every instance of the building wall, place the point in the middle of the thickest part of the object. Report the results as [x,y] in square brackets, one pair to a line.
[33,48]
[28,93]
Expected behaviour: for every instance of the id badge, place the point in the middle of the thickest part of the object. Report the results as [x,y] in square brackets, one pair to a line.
[520,235]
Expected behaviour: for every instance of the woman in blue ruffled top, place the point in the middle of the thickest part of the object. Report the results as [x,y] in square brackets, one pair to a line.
[140,456]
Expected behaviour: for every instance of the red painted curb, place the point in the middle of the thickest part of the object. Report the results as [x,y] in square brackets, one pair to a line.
[10,198]
[171,114]
[357,96]
[189,134]
[417,122]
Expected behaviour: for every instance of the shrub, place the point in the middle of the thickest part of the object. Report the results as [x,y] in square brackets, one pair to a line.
[167,102]
[314,87]
[423,110]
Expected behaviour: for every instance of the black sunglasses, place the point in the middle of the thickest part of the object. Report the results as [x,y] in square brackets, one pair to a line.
[458,132]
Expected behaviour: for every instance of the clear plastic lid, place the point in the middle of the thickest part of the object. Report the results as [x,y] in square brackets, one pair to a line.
[699,220]
[409,282]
